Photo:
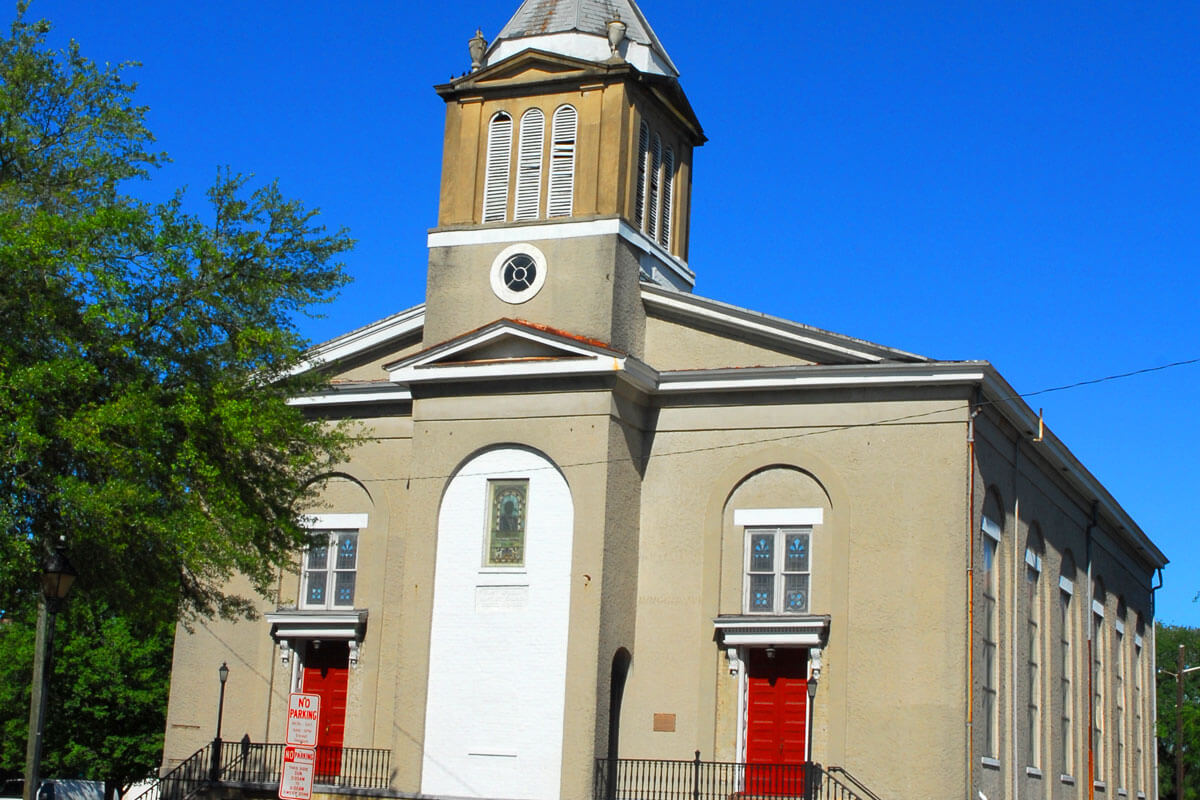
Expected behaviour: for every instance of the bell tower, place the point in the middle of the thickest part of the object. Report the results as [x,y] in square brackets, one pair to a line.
[566,176]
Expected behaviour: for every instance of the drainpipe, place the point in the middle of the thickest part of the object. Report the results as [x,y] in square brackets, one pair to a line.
[971,599]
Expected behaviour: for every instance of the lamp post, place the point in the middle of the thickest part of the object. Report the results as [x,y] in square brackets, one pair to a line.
[57,578]
[1178,676]
[223,676]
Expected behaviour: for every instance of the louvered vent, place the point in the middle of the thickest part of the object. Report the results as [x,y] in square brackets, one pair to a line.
[499,156]
[562,163]
[667,212]
[653,201]
[529,164]
[639,211]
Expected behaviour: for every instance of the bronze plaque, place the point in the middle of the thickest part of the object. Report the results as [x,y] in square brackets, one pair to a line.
[664,723]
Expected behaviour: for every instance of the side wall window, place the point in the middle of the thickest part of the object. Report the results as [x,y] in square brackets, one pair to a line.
[499,158]
[1033,576]
[990,532]
[1099,677]
[1066,657]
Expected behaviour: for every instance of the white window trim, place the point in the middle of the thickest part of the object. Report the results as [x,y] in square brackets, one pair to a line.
[329,522]
[777,517]
[1066,584]
[500,288]
[779,575]
[991,527]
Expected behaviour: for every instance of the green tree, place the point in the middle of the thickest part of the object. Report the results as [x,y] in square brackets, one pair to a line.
[1168,638]
[106,711]
[146,355]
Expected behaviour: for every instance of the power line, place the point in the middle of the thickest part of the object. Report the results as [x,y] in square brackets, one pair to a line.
[822,429]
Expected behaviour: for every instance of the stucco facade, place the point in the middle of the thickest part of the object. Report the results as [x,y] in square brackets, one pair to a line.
[655,446]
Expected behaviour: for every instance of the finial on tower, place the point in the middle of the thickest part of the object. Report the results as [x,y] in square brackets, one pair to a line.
[477,45]
[616,34]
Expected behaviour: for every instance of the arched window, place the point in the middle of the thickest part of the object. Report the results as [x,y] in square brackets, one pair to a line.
[652,209]
[499,158]
[529,165]
[1034,549]
[1141,731]
[665,213]
[562,162]
[991,530]
[1099,678]
[643,168]
[1066,659]
[1119,689]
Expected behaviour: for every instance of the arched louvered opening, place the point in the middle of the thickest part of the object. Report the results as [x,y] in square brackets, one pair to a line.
[639,211]
[667,212]
[653,200]
[562,163]
[499,156]
[529,165]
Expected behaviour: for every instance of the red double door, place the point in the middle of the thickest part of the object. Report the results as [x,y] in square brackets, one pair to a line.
[776,721]
[326,673]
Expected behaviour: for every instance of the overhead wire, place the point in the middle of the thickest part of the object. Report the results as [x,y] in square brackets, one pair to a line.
[825,429]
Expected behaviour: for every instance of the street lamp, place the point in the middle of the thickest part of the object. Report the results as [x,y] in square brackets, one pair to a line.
[58,576]
[1178,676]
[222,675]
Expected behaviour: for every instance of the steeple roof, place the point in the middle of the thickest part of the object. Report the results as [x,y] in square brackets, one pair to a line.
[579,28]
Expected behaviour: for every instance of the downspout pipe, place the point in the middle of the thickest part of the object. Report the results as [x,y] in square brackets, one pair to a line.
[970,575]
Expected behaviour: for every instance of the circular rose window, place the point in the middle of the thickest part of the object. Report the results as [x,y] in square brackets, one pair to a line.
[518,273]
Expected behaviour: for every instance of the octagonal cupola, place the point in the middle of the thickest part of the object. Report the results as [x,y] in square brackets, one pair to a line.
[590,30]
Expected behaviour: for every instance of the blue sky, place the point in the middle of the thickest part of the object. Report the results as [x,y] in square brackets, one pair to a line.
[1005,181]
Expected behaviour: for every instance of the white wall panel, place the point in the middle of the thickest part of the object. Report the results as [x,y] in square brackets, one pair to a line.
[498,646]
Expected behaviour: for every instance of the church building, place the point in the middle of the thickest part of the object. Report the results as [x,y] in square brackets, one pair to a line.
[611,539]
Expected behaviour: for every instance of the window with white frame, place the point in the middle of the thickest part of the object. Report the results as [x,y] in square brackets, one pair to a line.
[777,570]
[330,562]
[1066,634]
[1099,678]
[1033,574]
[1119,689]
[778,563]
[990,542]
[1139,735]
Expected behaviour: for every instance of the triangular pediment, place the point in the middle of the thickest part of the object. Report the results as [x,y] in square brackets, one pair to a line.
[508,349]
[525,67]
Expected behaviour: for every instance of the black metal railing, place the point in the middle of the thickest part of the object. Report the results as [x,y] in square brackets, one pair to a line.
[246,762]
[649,779]
[343,767]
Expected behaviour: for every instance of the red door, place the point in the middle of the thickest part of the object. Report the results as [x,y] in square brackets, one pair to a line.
[326,673]
[776,722]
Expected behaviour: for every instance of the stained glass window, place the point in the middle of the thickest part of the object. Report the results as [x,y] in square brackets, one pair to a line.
[330,568]
[506,523]
[777,570]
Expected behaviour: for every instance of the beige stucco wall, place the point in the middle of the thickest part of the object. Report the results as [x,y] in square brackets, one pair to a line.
[1031,496]
[675,345]
[591,290]
[888,568]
